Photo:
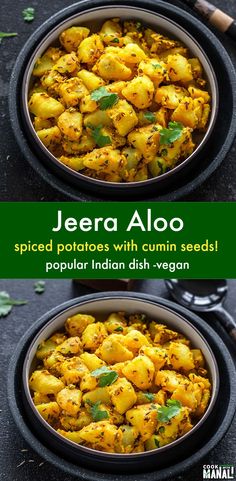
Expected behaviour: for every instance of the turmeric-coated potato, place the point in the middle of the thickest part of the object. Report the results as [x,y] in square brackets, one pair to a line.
[70,124]
[45,383]
[69,400]
[90,49]
[139,92]
[72,37]
[122,394]
[43,106]
[123,117]
[140,371]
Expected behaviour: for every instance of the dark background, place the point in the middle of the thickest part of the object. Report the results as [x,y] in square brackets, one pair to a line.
[18,180]
[14,449]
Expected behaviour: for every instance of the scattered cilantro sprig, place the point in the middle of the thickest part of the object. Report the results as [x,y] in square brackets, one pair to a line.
[105,375]
[115,40]
[39,287]
[149,396]
[28,14]
[150,116]
[104,98]
[100,139]
[7,34]
[96,413]
[6,303]
[172,408]
[174,131]
[119,329]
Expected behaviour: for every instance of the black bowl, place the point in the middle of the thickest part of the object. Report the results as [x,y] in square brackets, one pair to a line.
[184,177]
[185,454]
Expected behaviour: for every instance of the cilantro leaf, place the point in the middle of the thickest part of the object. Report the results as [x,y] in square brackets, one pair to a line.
[161,429]
[28,14]
[6,34]
[119,329]
[39,287]
[157,65]
[150,116]
[96,413]
[156,442]
[100,139]
[165,413]
[115,40]
[105,375]
[149,396]
[104,98]
[6,303]
[167,136]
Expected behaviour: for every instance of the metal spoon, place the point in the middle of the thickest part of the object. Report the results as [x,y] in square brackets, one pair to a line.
[204,296]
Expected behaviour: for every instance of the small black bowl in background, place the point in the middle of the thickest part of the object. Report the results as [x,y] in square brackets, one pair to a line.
[184,177]
[183,455]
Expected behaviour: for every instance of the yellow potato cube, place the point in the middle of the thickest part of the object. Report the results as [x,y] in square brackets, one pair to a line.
[99,394]
[123,117]
[134,340]
[87,104]
[72,345]
[154,69]
[158,355]
[169,96]
[50,137]
[46,62]
[110,67]
[93,335]
[101,435]
[132,53]
[41,105]
[72,37]
[106,159]
[144,419]
[67,63]
[111,32]
[76,324]
[49,411]
[180,356]
[72,91]
[179,68]
[88,382]
[45,383]
[90,49]
[189,112]
[99,117]
[91,361]
[139,91]
[90,80]
[140,371]
[170,380]
[122,394]
[71,435]
[69,400]
[75,163]
[112,350]
[70,124]
[146,140]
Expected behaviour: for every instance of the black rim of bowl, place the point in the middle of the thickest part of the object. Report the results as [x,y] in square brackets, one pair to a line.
[70,190]
[221,353]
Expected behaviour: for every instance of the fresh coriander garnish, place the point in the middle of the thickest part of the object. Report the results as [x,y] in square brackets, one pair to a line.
[164,152]
[100,139]
[115,40]
[174,131]
[172,408]
[105,375]
[39,287]
[6,35]
[157,65]
[119,329]
[96,413]
[149,396]
[161,429]
[150,116]
[157,443]
[6,303]
[28,14]
[104,98]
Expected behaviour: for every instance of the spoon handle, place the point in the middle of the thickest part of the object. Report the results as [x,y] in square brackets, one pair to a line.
[227,321]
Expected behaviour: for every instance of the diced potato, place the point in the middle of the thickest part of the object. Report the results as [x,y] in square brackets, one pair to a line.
[69,400]
[158,355]
[90,80]
[180,356]
[67,63]
[88,382]
[91,361]
[203,403]
[132,54]
[110,67]
[41,105]
[128,435]
[153,442]
[118,366]
[40,398]
[105,160]
[123,117]
[85,144]
[139,91]
[72,37]
[134,340]
[179,68]
[146,140]
[112,350]
[72,91]
[90,49]
[122,394]
[182,147]
[71,435]
[133,157]
[45,348]
[115,323]
[170,380]
[49,411]
[87,104]
[93,335]
[169,96]
[101,435]
[53,362]
[75,163]
[116,87]
[99,117]
[161,44]
[196,67]
[50,137]
[45,383]
[73,370]
[46,62]
[52,81]
[144,419]
[176,427]
[160,334]
[154,69]
[140,371]
[186,396]
[189,112]
[58,338]
[195,378]
[70,423]
[72,345]
[70,124]
[157,166]
[111,32]
[195,93]
[198,358]
[205,116]
[40,124]
[99,394]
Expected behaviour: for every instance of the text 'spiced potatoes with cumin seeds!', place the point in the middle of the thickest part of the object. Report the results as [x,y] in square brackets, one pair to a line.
[124,104]
[124,385]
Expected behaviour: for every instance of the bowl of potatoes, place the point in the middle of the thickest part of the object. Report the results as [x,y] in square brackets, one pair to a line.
[119,98]
[122,380]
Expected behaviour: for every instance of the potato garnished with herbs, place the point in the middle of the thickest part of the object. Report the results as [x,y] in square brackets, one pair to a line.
[127,89]
[123,384]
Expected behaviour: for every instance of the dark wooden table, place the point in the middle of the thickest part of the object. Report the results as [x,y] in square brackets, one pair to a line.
[18,180]
[18,462]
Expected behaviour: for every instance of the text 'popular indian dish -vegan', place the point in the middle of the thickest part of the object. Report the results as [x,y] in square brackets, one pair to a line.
[125,385]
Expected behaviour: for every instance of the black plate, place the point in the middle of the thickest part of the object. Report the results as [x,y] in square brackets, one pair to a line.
[210,156]
[224,408]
